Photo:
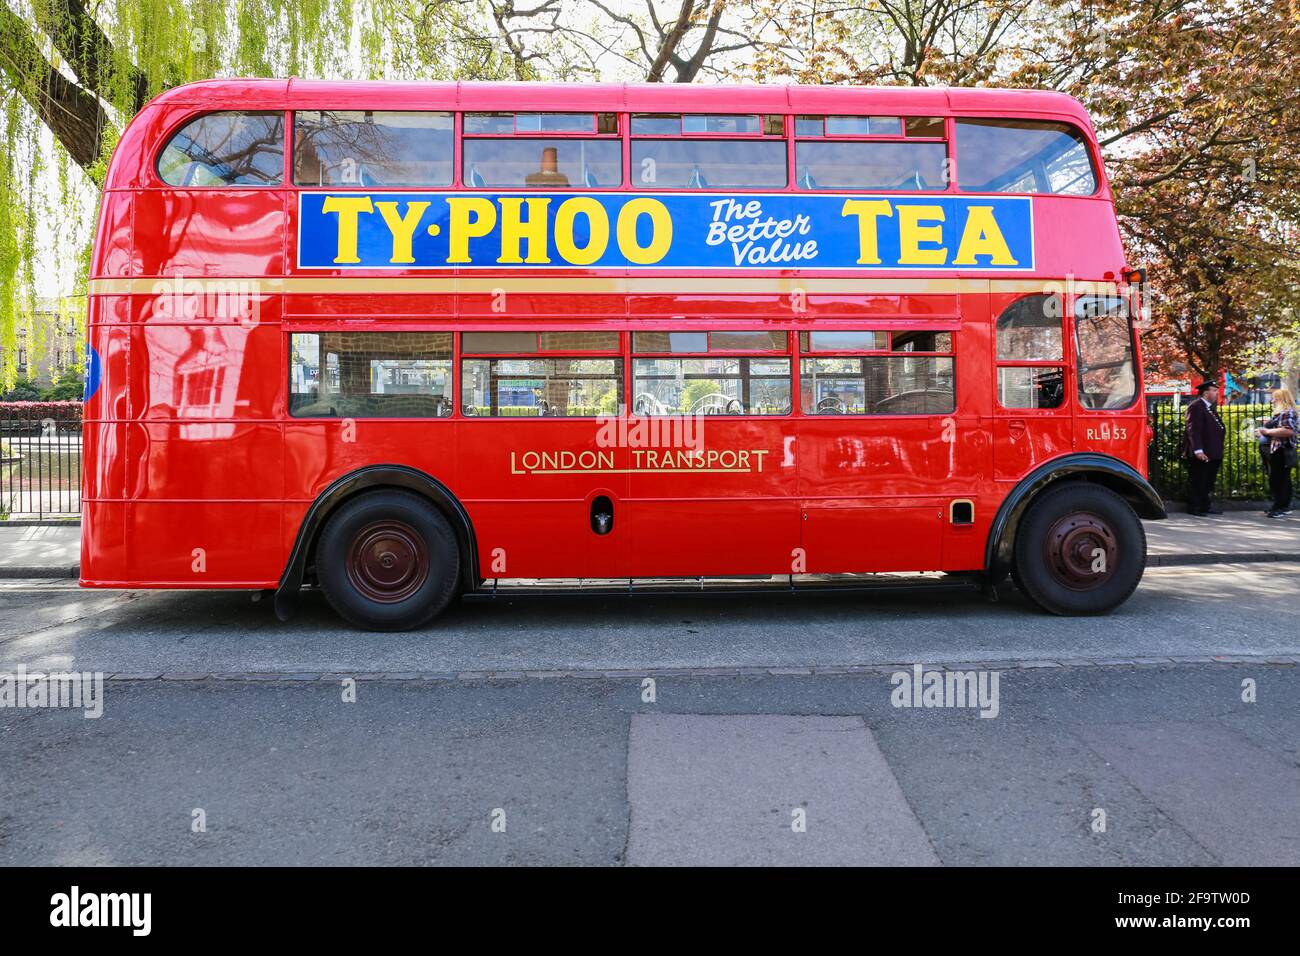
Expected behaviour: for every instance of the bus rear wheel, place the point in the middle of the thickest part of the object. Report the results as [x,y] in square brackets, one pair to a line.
[1080,550]
[388,561]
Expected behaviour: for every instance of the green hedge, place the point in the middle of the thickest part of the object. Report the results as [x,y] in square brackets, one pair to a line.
[531,411]
[1241,476]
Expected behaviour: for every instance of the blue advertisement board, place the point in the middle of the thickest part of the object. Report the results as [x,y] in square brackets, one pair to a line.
[679,231]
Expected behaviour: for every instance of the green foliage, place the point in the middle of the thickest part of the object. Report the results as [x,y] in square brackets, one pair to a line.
[532,411]
[22,390]
[66,389]
[1242,474]
[149,46]
[696,390]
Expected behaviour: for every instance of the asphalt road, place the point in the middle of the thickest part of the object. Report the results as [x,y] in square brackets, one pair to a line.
[458,757]
[1177,612]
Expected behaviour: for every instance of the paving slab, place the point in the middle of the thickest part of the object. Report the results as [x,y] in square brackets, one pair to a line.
[765,790]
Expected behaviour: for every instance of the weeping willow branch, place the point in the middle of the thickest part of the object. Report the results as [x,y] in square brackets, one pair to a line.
[89,52]
[75,116]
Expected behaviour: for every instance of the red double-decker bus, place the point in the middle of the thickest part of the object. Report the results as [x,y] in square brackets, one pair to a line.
[407,341]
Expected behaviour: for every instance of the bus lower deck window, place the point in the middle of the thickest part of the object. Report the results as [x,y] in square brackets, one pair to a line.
[370,375]
[1029,334]
[541,387]
[877,385]
[711,386]
[1031,386]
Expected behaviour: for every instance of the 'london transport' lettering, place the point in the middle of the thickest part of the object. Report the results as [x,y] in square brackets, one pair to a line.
[642,460]
[423,230]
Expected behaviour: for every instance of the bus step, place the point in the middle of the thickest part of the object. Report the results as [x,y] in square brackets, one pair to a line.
[798,583]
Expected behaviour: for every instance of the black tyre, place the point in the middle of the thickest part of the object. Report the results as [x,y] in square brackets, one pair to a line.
[388,561]
[1080,550]
[1020,585]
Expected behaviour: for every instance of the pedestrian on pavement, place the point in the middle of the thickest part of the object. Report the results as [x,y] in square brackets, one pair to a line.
[1277,445]
[1203,448]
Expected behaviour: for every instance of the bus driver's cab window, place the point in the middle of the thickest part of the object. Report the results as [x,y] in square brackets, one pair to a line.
[1031,370]
[1104,343]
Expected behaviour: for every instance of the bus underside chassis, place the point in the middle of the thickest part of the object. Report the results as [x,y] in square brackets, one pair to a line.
[388,561]
[1080,549]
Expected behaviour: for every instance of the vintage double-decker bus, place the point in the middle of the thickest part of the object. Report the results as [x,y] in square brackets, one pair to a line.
[408,341]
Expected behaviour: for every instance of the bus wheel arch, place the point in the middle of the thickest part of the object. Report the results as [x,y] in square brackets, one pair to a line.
[347,488]
[1080,471]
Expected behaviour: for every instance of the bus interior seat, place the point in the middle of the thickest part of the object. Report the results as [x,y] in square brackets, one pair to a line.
[697,180]
[806,180]
[911,181]
[589,178]
[475,178]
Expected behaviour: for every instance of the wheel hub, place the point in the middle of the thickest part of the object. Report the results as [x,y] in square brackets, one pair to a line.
[1080,551]
[387,561]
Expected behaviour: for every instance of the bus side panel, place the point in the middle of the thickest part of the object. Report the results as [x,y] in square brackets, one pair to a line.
[104,453]
[968,472]
[1120,434]
[114,256]
[320,450]
[740,518]
[205,445]
[529,487]
[205,544]
[206,461]
[1024,438]
[1077,237]
[869,488]
[210,373]
[193,233]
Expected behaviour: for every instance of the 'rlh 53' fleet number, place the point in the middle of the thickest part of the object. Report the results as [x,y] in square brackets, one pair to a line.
[1108,432]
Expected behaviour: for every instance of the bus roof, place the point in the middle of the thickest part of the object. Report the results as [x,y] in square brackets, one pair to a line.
[627,97]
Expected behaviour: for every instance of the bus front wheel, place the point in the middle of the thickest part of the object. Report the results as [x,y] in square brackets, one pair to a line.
[1080,550]
[388,561]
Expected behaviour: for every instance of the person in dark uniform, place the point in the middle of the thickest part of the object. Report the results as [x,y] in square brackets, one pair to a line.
[1203,448]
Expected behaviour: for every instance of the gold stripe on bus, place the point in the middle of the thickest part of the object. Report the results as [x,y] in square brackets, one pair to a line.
[594,285]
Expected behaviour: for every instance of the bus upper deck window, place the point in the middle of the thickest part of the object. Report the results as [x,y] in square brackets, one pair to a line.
[870,165]
[720,123]
[372,148]
[1022,156]
[1107,370]
[505,124]
[226,149]
[726,124]
[543,163]
[542,150]
[689,163]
